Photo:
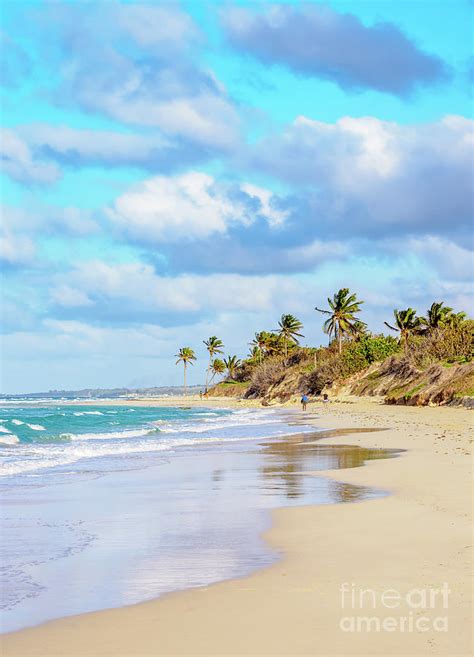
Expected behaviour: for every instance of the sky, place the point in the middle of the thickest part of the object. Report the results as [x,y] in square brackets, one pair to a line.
[171,171]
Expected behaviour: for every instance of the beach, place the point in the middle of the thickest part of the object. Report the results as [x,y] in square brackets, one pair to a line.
[416,538]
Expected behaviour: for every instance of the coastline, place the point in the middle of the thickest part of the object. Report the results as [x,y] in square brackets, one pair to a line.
[423,530]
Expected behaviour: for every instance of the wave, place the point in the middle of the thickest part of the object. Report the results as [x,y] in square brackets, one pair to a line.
[17,422]
[215,424]
[4,430]
[128,433]
[9,439]
[35,427]
[77,413]
[84,451]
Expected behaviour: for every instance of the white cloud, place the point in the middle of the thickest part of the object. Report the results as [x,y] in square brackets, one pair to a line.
[18,162]
[154,26]
[16,249]
[265,197]
[93,145]
[137,284]
[374,173]
[451,260]
[67,297]
[189,206]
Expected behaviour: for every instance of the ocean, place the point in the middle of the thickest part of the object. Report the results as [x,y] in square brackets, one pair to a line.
[59,441]
[104,506]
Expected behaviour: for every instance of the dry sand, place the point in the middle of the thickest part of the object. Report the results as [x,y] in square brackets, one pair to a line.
[418,537]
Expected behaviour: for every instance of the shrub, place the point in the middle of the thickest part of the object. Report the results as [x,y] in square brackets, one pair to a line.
[269,372]
[448,344]
[380,347]
[356,355]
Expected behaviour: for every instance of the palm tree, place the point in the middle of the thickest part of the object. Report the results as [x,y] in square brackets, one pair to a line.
[406,323]
[288,330]
[359,329]
[231,364]
[255,354]
[214,346]
[342,318]
[217,367]
[263,341]
[455,320]
[186,356]
[436,315]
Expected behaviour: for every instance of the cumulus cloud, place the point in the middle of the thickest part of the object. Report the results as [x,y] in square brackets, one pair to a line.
[191,206]
[74,147]
[366,177]
[16,250]
[48,220]
[315,40]
[251,251]
[148,75]
[69,297]
[164,28]
[142,288]
[451,260]
[18,162]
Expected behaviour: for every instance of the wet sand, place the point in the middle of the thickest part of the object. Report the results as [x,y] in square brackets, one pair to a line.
[420,537]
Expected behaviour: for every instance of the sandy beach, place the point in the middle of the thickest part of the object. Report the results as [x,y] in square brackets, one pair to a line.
[417,538]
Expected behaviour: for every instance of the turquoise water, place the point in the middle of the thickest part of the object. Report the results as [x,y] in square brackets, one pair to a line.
[104,506]
[52,437]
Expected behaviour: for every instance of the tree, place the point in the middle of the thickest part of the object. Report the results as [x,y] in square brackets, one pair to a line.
[406,323]
[186,356]
[288,330]
[359,330]
[231,364]
[342,319]
[217,367]
[255,354]
[214,346]
[436,316]
[263,340]
[455,320]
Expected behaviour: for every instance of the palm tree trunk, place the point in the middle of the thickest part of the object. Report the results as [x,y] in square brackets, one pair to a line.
[185,388]
[339,340]
[207,373]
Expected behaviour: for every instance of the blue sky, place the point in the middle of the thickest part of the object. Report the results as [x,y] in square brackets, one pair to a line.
[172,171]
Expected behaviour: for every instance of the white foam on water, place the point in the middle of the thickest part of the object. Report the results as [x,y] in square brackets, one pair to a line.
[158,436]
[239,419]
[130,433]
[17,422]
[78,413]
[47,456]
[35,427]
[11,439]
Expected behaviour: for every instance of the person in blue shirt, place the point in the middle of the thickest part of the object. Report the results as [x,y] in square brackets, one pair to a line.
[304,401]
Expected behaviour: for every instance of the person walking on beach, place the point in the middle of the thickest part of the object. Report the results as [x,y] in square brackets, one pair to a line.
[304,401]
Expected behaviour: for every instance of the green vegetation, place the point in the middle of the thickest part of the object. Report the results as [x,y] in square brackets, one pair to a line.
[342,320]
[186,356]
[231,363]
[214,346]
[216,367]
[277,366]
[288,331]
[413,391]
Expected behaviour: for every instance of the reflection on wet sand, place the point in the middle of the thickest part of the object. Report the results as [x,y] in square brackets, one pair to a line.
[288,462]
